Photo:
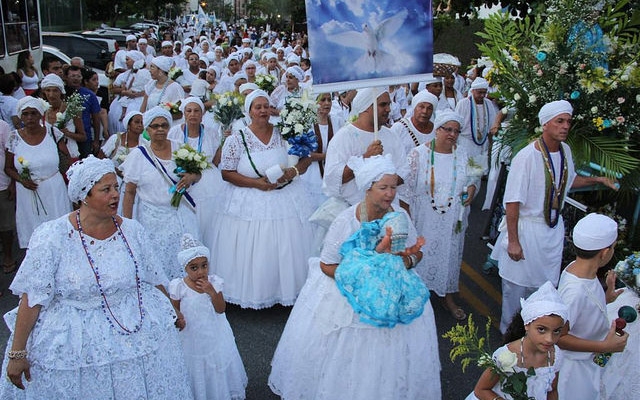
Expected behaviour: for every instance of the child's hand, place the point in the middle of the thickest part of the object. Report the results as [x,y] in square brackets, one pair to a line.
[180,321]
[205,286]
[615,342]
[611,293]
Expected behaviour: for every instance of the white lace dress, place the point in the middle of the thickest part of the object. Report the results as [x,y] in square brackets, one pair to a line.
[213,361]
[326,353]
[75,350]
[440,265]
[50,200]
[263,238]
[165,224]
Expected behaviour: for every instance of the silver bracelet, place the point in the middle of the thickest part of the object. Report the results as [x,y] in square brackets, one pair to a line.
[17,354]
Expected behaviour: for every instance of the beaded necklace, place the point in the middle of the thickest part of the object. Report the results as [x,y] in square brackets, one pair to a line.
[432,181]
[186,136]
[554,194]
[364,214]
[479,136]
[105,304]
[522,354]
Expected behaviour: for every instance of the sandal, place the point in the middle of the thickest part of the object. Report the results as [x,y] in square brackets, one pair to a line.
[458,313]
[9,268]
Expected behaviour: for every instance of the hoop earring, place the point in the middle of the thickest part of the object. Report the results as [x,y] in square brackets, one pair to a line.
[85,202]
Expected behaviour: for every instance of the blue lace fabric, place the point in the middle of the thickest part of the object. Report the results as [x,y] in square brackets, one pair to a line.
[377,285]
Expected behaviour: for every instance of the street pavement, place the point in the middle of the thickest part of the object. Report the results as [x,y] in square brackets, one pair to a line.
[257,331]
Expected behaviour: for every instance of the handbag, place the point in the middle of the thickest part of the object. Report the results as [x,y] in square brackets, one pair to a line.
[328,211]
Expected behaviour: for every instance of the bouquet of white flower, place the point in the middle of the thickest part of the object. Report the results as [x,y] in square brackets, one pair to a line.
[297,118]
[74,109]
[174,73]
[188,161]
[266,82]
[228,108]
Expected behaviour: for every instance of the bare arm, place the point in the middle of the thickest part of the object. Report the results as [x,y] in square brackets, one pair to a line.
[582,181]
[484,387]
[513,248]
[611,343]
[127,201]
[328,269]
[25,321]
[240,180]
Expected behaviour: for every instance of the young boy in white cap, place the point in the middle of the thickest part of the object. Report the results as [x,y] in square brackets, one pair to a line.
[588,334]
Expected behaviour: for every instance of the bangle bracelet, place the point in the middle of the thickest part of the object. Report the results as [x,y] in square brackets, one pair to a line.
[498,398]
[17,354]
[297,172]
[414,260]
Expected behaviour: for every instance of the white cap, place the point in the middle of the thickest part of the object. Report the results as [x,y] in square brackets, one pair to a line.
[595,232]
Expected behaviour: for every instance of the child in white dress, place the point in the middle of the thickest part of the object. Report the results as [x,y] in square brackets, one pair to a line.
[213,362]
[530,342]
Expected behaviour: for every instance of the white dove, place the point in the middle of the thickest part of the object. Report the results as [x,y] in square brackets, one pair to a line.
[372,41]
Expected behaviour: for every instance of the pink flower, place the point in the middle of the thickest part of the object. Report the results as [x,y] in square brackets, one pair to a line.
[539,73]
[621,100]
[582,66]
[620,119]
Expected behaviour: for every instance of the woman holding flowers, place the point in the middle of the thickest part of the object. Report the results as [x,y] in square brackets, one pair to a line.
[150,173]
[32,161]
[263,237]
[438,191]
[161,89]
[290,87]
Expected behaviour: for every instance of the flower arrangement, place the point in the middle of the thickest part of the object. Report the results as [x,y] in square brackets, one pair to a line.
[173,108]
[74,109]
[188,161]
[25,175]
[297,118]
[468,345]
[587,58]
[628,270]
[228,108]
[266,82]
[174,73]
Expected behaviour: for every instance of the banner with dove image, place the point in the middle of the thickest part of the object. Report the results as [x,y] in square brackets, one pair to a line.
[360,43]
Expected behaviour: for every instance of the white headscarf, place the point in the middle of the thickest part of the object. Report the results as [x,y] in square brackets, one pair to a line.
[544,301]
[154,113]
[128,116]
[248,86]
[371,169]
[551,110]
[296,71]
[445,116]
[84,174]
[191,99]
[252,96]
[163,62]
[595,232]
[479,83]
[52,80]
[191,249]
[424,96]
[365,99]
[32,102]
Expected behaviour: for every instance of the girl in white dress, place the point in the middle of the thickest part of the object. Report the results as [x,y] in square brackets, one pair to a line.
[530,343]
[213,362]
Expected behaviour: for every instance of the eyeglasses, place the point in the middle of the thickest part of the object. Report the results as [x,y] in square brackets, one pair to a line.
[164,125]
[450,130]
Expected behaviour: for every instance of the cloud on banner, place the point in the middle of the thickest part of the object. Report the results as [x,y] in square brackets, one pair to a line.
[361,43]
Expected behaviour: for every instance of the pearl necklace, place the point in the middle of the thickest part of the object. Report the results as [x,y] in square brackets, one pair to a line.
[105,304]
[432,181]
[479,133]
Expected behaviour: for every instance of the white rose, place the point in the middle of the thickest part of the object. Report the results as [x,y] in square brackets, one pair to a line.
[506,360]
[621,266]
[25,164]
[594,110]
[202,165]
[182,153]
[532,98]
[516,97]
[298,128]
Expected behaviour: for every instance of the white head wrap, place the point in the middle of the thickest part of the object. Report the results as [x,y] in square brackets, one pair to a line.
[52,80]
[215,69]
[205,60]
[293,59]
[246,40]
[248,86]
[445,116]
[268,56]
[202,38]
[191,249]
[154,113]
[131,37]
[166,43]
[296,71]
[191,99]
[188,41]
[185,48]
[218,48]
[84,174]
[128,116]
[247,64]
[240,75]
[32,102]
[425,97]
[595,232]
[233,56]
[369,170]
[142,41]
[551,110]
[247,51]
[163,62]
[432,79]
[544,301]
[137,57]
[479,83]
[252,96]
[365,99]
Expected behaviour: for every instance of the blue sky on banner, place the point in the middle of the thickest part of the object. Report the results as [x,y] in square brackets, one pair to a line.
[366,43]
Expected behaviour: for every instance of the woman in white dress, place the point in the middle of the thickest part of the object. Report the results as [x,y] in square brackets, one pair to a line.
[149,173]
[130,90]
[90,323]
[161,89]
[326,351]
[40,196]
[263,237]
[439,192]
[206,139]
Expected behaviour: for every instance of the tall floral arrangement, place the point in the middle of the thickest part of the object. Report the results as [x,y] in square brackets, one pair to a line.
[582,51]
[297,118]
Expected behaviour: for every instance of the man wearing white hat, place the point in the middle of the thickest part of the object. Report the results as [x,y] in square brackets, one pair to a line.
[529,247]
[478,114]
[589,332]
[361,140]
[120,60]
[418,128]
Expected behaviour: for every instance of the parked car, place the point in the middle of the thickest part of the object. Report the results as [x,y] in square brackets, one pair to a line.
[50,51]
[119,36]
[94,55]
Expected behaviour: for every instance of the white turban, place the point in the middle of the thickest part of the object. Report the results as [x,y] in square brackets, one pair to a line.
[137,57]
[191,99]
[551,110]
[293,59]
[154,113]
[32,102]
[218,48]
[479,83]
[425,97]
[247,64]
[166,43]
[128,116]
[84,174]
[233,56]
[445,116]
[163,62]
[296,72]
[188,41]
[268,56]
[142,41]
[365,99]
[432,79]
[52,80]
[191,249]
[215,69]
[544,301]
[252,96]
[187,47]
[595,232]
[248,86]
[130,38]
[369,170]
[240,75]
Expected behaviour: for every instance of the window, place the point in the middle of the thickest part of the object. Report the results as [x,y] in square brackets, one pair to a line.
[34,24]
[14,15]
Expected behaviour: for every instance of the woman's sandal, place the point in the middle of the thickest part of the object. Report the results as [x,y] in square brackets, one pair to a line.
[458,313]
[9,268]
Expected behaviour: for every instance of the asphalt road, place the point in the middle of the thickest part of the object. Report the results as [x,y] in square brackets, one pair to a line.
[258,331]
